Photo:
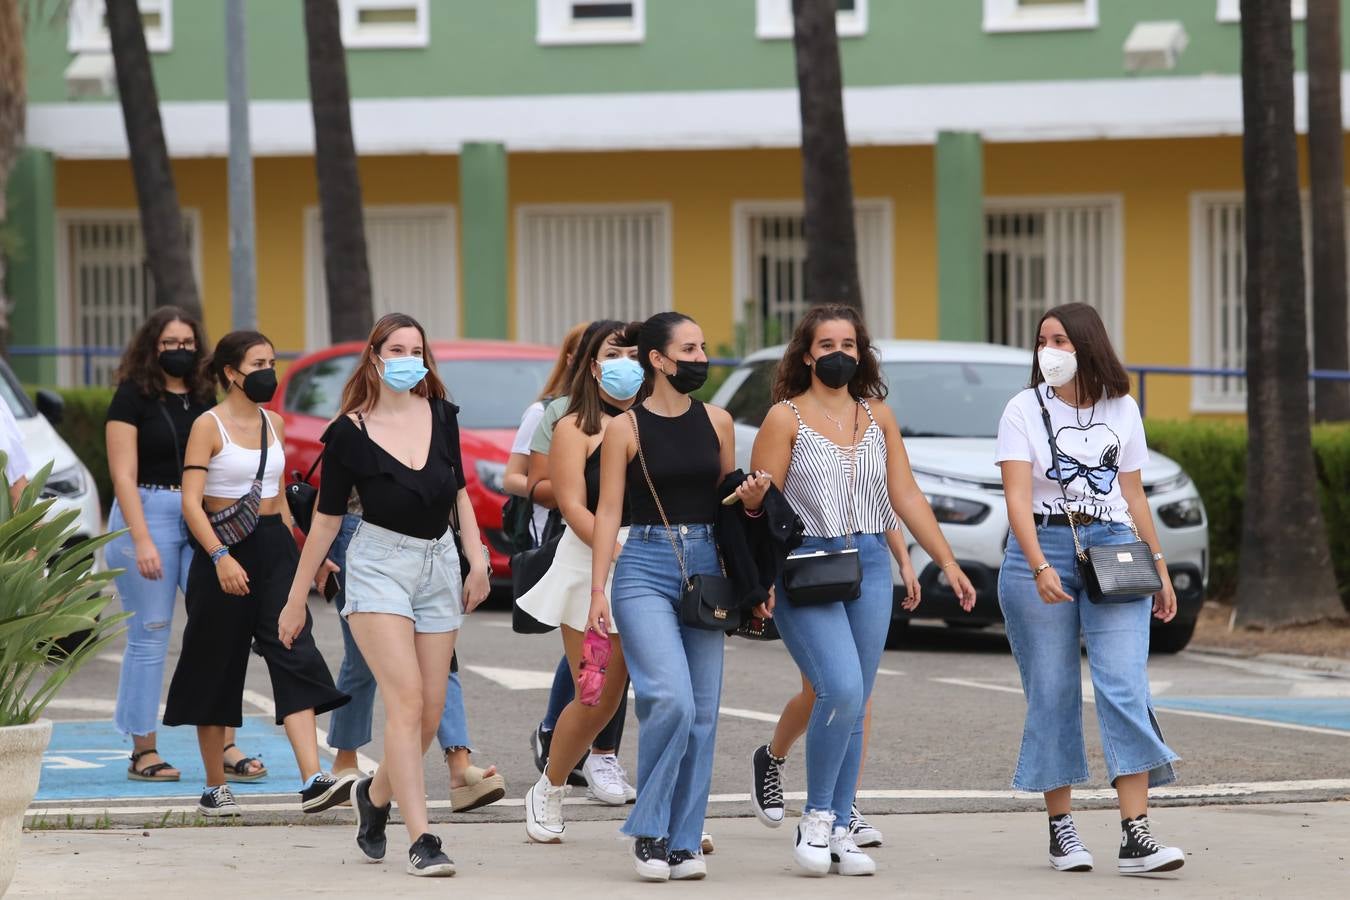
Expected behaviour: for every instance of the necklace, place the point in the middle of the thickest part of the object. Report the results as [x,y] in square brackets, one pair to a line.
[838,422]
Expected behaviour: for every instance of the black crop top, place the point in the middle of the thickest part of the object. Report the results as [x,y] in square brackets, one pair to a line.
[159,461]
[684,458]
[415,502]
[592,473]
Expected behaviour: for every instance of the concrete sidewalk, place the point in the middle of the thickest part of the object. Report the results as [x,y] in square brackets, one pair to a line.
[1285,850]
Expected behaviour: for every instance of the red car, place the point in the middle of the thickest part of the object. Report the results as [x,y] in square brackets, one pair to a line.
[491,381]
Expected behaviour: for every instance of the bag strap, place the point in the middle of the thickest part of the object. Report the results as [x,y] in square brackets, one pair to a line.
[173,433]
[670,534]
[262,457]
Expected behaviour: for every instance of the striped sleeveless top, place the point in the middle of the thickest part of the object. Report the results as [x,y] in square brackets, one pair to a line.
[821,472]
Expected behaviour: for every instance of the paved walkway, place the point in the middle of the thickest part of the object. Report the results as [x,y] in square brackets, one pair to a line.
[1285,850]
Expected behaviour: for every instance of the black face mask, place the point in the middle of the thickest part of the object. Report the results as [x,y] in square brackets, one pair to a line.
[178,363]
[689,376]
[836,369]
[260,385]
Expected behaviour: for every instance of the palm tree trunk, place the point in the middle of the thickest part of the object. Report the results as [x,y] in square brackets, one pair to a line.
[166,244]
[1284,569]
[13,94]
[827,183]
[1326,165]
[345,267]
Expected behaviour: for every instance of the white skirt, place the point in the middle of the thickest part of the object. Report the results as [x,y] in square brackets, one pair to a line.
[563,595]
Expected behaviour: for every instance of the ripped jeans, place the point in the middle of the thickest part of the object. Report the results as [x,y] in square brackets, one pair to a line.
[151,604]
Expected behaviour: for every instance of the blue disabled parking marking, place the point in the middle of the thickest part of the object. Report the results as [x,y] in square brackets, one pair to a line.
[88,761]
[1319,712]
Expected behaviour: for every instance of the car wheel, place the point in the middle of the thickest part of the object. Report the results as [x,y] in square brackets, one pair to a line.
[1172,637]
[895,638]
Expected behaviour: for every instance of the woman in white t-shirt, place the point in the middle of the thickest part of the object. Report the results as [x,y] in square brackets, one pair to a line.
[1081,385]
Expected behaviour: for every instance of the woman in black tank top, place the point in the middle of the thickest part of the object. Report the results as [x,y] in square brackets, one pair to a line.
[676,670]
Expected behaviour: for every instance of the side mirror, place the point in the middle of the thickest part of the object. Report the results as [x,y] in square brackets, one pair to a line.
[52,406]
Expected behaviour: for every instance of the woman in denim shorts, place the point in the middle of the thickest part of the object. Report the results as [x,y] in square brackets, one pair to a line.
[396,442]
[1093,485]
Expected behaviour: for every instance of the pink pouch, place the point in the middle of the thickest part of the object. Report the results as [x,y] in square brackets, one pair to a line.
[594,661]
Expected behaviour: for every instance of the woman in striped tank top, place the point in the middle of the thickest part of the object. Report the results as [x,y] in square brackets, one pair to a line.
[841,464]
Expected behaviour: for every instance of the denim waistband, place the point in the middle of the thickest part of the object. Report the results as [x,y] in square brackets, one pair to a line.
[390,538]
[695,532]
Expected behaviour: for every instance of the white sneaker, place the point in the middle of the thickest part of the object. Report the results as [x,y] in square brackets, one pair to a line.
[606,779]
[686,866]
[846,858]
[543,811]
[706,844]
[812,849]
[864,833]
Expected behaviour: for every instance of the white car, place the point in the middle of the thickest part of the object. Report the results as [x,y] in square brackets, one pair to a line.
[948,398]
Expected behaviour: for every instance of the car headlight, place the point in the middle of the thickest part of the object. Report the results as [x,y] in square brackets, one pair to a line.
[1182,514]
[1175,483]
[65,483]
[957,510]
[492,475]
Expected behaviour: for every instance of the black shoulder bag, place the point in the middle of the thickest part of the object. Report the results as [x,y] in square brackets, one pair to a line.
[529,566]
[708,602]
[301,494]
[1113,573]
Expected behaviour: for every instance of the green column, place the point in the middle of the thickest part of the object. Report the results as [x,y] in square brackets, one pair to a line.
[960,236]
[484,208]
[30,281]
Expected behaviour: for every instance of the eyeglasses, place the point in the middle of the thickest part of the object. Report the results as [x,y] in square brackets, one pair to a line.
[188,344]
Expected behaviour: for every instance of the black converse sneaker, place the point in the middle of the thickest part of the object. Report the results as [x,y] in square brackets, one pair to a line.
[539,744]
[325,792]
[218,802]
[370,821]
[651,859]
[685,865]
[427,859]
[1067,853]
[863,832]
[1141,854]
[766,780]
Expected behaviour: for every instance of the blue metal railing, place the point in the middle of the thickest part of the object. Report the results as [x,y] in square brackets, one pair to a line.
[1142,373]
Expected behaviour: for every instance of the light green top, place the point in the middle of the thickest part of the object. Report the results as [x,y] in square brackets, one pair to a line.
[543,435]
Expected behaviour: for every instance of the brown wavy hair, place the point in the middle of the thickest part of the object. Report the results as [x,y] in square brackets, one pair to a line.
[793,377]
[1101,375]
[557,380]
[363,387]
[140,361]
[584,393]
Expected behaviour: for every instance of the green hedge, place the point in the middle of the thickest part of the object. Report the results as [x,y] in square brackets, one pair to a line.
[1214,454]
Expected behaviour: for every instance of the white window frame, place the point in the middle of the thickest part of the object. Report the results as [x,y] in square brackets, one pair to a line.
[556,26]
[357,38]
[1230,11]
[773,20]
[879,311]
[1010,15]
[1113,316]
[85,32]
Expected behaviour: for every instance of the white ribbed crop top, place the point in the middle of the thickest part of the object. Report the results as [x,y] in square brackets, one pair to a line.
[230,473]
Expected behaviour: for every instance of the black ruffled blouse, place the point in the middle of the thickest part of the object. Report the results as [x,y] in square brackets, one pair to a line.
[415,502]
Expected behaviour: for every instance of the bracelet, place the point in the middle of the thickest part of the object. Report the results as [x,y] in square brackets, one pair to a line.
[597,590]
[1036,572]
[753,513]
[948,565]
[1158,557]
[219,553]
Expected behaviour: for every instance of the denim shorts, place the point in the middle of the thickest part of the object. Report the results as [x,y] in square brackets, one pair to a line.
[393,573]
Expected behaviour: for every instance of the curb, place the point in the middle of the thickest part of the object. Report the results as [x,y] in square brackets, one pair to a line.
[1327,665]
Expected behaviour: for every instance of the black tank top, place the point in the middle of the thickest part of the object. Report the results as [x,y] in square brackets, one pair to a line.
[592,473]
[684,458]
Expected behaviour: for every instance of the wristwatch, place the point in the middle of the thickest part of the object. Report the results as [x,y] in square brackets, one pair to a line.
[1036,572]
[487,558]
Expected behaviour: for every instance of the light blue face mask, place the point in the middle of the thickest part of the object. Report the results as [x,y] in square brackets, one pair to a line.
[621,378]
[403,373]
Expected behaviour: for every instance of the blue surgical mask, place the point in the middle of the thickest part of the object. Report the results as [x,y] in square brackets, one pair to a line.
[403,373]
[621,378]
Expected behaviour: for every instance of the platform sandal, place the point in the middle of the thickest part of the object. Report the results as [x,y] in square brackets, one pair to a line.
[149,773]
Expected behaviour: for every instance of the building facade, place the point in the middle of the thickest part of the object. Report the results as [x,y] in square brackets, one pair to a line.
[529,163]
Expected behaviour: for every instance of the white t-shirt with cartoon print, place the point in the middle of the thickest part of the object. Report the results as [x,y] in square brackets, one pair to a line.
[1095,446]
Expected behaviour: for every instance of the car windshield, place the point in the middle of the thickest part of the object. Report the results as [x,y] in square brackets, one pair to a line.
[930,399]
[12,395]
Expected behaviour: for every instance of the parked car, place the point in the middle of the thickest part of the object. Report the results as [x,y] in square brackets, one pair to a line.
[491,381]
[948,398]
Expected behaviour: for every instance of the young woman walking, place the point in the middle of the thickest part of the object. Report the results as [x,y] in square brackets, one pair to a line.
[686,449]
[396,442]
[842,466]
[1091,482]
[232,491]
[604,387]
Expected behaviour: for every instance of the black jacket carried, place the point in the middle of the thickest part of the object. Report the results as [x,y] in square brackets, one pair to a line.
[753,550]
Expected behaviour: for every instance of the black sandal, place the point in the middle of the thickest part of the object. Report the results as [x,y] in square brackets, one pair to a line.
[238,770]
[149,773]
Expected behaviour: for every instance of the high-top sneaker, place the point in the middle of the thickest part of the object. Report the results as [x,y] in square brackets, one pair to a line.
[218,802]
[766,786]
[1141,854]
[543,811]
[812,849]
[863,832]
[845,857]
[1067,853]
[651,859]
[685,865]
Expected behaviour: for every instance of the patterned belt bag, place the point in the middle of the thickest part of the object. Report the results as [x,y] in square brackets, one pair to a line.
[237,521]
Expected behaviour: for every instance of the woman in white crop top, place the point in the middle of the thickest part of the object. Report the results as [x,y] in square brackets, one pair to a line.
[235,594]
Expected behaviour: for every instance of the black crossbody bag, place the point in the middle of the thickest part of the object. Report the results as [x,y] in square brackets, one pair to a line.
[1113,573]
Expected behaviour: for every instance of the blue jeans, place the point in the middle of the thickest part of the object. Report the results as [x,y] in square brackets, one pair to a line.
[838,648]
[559,695]
[349,726]
[677,678]
[151,604]
[1045,642]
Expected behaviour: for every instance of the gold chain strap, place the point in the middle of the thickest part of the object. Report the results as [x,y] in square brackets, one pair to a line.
[670,534]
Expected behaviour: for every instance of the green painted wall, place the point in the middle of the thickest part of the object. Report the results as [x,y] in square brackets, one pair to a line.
[31,275]
[959,159]
[484,207]
[488,48]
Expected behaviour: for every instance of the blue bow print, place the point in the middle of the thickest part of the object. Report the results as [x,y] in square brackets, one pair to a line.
[1100,478]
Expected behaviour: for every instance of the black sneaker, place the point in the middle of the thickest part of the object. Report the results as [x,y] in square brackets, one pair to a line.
[427,859]
[370,821]
[1067,853]
[326,792]
[685,865]
[1140,854]
[651,859]
[218,803]
[539,744]
[767,786]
